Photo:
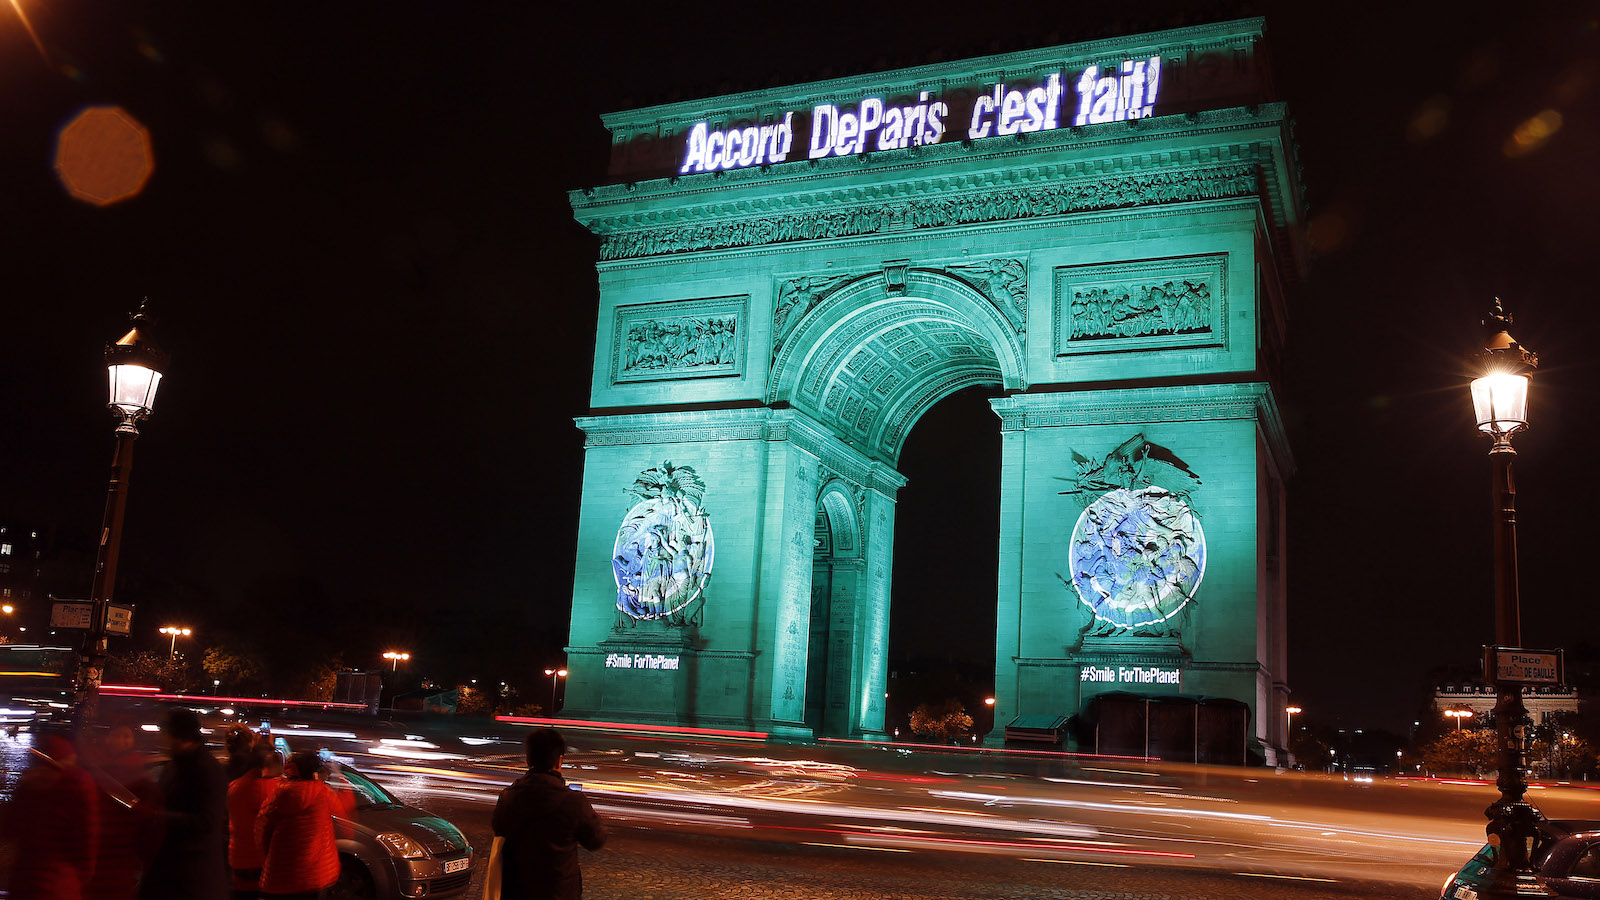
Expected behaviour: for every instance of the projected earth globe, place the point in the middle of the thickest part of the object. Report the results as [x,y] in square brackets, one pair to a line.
[662,557]
[1137,556]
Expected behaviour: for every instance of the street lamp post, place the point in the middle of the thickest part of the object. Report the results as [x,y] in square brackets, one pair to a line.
[555,675]
[396,657]
[134,365]
[174,630]
[1458,715]
[1500,406]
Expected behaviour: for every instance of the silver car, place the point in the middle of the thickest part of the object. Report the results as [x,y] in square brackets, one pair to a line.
[390,850]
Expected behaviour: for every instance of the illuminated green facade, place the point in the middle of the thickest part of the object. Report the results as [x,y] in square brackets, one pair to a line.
[789,278]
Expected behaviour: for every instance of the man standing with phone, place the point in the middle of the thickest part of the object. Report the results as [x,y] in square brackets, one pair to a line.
[544,822]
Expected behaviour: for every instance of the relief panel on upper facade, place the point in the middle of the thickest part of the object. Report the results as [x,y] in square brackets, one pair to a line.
[1145,305]
[680,339]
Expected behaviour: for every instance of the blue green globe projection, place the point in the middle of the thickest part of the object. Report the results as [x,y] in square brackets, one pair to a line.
[1137,556]
[663,553]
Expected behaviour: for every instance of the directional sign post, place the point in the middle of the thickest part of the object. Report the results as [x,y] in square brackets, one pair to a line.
[72,614]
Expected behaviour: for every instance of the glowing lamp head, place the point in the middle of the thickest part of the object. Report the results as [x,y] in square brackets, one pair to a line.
[135,364]
[1500,392]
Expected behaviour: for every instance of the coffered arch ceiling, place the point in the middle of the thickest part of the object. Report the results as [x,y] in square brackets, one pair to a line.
[868,363]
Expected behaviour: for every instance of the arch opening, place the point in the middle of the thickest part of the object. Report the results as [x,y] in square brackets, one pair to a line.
[944,586]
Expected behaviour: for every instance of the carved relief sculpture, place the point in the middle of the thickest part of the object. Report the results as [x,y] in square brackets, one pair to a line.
[663,553]
[1170,307]
[796,297]
[679,339]
[686,343]
[1003,281]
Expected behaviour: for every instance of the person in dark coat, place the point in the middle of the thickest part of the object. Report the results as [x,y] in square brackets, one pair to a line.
[544,823]
[191,863]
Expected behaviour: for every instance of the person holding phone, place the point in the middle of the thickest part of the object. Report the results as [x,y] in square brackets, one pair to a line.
[543,823]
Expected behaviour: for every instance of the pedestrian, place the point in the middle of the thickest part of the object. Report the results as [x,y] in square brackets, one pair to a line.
[543,822]
[246,795]
[53,821]
[243,757]
[295,831]
[191,862]
[125,784]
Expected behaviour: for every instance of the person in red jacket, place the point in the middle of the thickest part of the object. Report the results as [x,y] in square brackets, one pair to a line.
[246,795]
[295,831]
[53,820]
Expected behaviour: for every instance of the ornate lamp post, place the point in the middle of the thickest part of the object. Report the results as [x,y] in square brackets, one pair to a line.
[1500,406]
[555,675]
[134,365]
[175,631]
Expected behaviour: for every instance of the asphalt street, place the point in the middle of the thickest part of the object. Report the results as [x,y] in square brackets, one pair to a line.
[710,816]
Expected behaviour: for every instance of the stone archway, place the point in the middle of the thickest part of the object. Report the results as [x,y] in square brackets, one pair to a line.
[866,357]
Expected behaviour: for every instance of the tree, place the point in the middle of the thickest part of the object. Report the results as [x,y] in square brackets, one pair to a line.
[148,668]
[241,670]
[1466,752]
[943,722]
[471,702]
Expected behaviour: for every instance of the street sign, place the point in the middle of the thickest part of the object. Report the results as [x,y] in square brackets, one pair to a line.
[1514,665]
[72,614]
[119,618]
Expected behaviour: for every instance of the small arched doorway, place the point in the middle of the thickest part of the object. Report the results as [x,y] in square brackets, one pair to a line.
[835,576]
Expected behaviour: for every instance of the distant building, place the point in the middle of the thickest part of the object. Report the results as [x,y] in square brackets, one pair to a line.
[1542,702]
[21,551]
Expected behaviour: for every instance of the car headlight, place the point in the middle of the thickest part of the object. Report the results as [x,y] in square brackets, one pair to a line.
[399,845]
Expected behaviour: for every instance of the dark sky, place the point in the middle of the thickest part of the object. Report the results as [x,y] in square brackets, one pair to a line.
[358,243]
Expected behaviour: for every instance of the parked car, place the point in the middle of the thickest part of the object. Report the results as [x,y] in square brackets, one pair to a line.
[390,850]
[1566,853]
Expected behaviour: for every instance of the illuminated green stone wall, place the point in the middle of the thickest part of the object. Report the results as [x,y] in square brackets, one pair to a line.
[779,329]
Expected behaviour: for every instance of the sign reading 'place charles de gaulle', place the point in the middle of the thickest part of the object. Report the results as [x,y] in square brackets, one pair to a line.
[1514,665]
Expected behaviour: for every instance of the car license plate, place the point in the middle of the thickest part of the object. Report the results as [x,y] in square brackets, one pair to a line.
[1465,893]
[460,865]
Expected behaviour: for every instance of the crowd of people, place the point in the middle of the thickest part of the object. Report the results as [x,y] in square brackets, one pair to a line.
[110,826]
[114,827]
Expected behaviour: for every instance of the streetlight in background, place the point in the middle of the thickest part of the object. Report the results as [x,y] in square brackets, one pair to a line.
[1289,712]
[174,630]
[134,365]
[396,656]
[1500,408]
[555,675]
[1458,715]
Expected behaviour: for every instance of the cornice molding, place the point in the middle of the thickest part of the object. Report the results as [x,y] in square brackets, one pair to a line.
[1129,406]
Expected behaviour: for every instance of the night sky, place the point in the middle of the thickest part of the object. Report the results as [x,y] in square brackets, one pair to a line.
[381,311]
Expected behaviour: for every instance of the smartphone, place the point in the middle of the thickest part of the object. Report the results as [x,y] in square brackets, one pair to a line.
[266,727]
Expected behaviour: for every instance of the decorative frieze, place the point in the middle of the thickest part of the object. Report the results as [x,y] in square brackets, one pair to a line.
[1046,199]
